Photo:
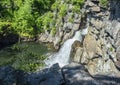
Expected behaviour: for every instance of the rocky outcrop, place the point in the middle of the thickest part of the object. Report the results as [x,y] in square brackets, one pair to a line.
[65,28]
[76,51]
[75,74]
[72,74]
[49,76]
[100,50]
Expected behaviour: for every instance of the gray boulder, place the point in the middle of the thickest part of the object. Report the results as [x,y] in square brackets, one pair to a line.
[76,74]
[48,76]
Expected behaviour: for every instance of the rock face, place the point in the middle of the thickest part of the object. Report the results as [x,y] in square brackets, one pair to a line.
[66,27]
[76,51]
[72,74]
[100,52]
[50,76]
[75,74]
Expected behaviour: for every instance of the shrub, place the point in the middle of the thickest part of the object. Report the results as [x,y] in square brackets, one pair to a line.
[76,9]
[104,3]
[63,10]
[78,2]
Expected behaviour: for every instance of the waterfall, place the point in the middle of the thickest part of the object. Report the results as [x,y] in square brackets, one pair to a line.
[63,55]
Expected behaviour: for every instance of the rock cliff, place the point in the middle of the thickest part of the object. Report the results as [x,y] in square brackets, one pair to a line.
[100,50]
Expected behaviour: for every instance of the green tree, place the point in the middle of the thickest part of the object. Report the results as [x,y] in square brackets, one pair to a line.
[24,19]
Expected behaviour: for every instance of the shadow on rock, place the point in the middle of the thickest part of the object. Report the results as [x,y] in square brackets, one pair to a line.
[72,74]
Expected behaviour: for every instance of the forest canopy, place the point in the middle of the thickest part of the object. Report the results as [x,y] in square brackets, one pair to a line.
[31,17]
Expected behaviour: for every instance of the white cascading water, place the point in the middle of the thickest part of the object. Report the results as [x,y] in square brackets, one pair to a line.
[63,55]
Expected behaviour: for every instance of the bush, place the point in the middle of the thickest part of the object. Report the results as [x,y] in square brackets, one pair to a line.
[63,10]
[78,2]
[76,9]
[104,3]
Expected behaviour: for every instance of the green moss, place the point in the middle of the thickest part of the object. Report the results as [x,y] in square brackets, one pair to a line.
[104,3]
[111,49]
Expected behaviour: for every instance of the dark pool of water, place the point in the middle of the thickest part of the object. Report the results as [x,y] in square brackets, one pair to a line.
[27,56]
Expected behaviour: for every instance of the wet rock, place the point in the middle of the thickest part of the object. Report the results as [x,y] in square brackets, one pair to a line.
[76,51]
[68,35]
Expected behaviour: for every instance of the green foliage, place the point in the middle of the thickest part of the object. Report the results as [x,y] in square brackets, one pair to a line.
[76,9]
[53,31]
[6,28]
[24,15]
[77,5]
[55,6]
[7,8]
[78,2]
[47,19]
[24,19]
[104,3]
[63,10]
[30,17]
